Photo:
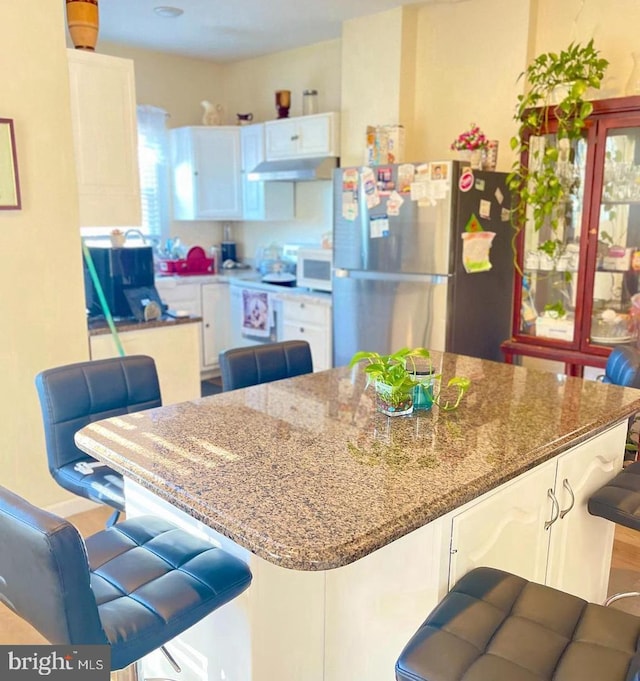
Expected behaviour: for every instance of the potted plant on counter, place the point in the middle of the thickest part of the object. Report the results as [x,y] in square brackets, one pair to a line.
[396,378]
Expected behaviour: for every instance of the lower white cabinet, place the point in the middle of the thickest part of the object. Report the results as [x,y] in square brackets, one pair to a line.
[538,525]
[175,349]
[208,300]
[306,319]
[215,322]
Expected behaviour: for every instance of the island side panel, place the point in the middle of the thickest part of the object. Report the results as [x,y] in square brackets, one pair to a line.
[273,630]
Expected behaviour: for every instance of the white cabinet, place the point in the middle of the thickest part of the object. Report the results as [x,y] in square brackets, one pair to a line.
[262,200]
[304,137]
[207,181]
[206,298]
[215,322]
[306,319]
[103,115]
[175,349]
[538,526]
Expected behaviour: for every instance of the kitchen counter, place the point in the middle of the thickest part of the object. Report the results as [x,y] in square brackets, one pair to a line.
[307,475]
[355,524]
[100,327]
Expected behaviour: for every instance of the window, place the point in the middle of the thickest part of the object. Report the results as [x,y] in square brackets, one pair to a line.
[153,162]
[153,158]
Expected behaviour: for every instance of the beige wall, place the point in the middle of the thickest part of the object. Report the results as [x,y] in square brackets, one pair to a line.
[176,84]
[613,25]
[42,299]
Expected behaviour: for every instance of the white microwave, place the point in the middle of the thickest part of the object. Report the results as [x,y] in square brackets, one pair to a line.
[314,268]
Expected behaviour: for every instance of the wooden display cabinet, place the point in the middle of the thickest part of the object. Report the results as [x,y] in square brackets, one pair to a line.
[576,291]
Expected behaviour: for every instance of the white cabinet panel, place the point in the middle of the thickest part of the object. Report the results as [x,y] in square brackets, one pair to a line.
[304,137]
[103,114]
[577,536]
[306,320]
[521,528]
[207,182]
[262,200]
[175,349]
[506,529]
[215,321]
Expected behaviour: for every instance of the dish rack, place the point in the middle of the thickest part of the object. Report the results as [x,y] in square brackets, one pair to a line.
[196,262]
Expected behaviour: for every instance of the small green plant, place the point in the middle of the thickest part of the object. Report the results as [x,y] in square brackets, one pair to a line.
[398,372]
[557,309]
[534,177]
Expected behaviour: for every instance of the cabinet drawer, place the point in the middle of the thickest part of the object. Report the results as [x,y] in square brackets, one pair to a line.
[181,297]
[300,312]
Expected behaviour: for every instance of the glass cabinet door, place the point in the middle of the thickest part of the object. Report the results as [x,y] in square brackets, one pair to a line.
[615,296]
[551,257]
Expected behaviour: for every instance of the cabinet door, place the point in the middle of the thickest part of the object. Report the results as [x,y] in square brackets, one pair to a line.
[103,114]
[215,322]
[281,139]
[506,529]
[303,320]
[206,173]
[316,135]
[611,315]
[578,538]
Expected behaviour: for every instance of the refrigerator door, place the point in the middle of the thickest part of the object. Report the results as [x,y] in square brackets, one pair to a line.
[416,241]
[385,312]
[480,303]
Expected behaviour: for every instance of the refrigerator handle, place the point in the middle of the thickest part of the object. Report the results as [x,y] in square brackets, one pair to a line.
[340,273]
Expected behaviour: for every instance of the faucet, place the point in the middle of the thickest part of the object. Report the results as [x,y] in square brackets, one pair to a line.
[137,232]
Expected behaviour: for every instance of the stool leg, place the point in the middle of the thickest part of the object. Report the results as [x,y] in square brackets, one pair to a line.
[620,596]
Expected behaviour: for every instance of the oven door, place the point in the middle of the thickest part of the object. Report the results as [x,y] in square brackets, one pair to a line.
[255,316]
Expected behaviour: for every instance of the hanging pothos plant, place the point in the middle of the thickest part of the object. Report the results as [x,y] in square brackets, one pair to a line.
[537,185]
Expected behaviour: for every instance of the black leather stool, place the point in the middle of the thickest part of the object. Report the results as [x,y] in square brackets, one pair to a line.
[619,502]
[133,586]
[495,626]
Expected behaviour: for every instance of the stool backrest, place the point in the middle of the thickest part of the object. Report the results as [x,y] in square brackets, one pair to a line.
[623,367]
[242,367]
[75,395]
[44,573]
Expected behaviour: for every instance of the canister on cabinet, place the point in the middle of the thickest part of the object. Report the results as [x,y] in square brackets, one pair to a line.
[309,102]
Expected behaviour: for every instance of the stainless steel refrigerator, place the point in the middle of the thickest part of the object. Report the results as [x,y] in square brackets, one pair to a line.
[399,278]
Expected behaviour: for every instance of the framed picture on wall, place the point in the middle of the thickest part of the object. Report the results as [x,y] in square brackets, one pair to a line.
[9,182]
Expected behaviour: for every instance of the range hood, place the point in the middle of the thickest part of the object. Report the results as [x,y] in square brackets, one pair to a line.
[294,170]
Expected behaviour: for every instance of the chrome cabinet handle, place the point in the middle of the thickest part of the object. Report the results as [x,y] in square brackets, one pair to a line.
[567,486]
[555,509]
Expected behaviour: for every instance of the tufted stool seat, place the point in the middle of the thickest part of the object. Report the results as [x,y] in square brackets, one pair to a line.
[619,499]
[133,586]
[495,626]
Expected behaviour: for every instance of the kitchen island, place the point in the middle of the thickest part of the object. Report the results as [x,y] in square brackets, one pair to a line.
[354,524]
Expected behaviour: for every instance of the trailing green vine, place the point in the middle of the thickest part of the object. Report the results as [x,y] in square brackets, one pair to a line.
[539,190]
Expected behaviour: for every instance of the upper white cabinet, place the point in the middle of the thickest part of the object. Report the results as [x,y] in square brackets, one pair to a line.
[207,180]
[103,114]
[262,200]
[304,137]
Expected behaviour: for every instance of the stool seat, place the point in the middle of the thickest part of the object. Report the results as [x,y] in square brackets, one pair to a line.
[619,499]
[495,626]
[133,586]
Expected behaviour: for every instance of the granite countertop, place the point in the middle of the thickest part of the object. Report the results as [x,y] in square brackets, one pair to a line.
[100,327]
[306,474]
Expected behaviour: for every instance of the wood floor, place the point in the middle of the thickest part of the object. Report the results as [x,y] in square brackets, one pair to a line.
[625,575]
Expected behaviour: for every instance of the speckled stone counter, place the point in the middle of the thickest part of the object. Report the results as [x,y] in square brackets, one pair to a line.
[305,473]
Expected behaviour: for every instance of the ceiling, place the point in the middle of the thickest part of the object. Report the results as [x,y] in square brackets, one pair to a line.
[223,30]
